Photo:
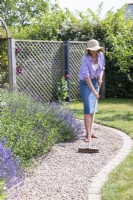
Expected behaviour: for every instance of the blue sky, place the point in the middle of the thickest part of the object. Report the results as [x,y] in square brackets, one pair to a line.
[82,5]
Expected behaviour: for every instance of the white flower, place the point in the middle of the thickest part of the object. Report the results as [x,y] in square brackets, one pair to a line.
[3,104]
[59,31]
[5,188]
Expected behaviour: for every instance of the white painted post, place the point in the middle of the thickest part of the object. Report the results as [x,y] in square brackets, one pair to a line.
[12,63]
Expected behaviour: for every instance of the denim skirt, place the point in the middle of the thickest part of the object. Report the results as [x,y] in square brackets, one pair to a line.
[88,96]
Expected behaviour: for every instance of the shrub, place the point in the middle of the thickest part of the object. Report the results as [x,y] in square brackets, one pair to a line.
[31,128]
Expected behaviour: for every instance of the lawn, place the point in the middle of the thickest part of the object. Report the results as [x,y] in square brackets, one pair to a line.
[117,113]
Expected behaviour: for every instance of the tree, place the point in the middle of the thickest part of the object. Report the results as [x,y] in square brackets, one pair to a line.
[7,11]
[119,38]
[22,12]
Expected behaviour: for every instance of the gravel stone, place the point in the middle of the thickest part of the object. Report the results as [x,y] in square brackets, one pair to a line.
[65,174]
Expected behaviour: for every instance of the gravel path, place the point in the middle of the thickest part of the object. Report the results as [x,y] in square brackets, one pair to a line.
[65,174]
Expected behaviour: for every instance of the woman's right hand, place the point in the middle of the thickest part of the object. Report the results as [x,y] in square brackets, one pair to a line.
[96,94]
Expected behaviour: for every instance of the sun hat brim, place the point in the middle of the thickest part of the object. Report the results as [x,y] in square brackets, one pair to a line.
[95,48]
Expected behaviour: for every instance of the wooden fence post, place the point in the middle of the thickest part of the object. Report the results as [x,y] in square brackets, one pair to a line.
[67,64]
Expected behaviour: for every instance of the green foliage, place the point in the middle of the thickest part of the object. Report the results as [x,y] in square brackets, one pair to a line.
[119,39]
[31,128]
[7,11]
[22,12]
[119,57]
[4,74]
[118,84]
[62,90]
[115,30]
[1,189]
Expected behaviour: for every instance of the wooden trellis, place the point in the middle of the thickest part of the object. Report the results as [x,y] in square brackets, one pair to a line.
[36,67]
[39,66]
[76,53]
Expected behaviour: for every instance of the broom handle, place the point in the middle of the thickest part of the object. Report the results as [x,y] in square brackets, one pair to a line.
[93,120]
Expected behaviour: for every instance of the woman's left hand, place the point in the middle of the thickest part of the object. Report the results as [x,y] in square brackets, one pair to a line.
[100,82]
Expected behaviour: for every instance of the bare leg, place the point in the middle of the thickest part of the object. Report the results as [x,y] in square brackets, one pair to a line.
[92,135]
[88,126]
[88,122]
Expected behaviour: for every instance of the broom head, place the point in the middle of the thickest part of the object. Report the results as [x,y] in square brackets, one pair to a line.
[88,150]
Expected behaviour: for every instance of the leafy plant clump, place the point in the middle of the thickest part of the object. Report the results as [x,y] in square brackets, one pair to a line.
[62,90]
[31,128]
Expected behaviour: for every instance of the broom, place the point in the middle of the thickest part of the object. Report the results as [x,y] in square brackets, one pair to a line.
[89,149]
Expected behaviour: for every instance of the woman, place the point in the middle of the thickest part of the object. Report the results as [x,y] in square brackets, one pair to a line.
[90,75]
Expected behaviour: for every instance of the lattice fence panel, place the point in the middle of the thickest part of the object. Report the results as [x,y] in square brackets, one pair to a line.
[39,67]
[76,53]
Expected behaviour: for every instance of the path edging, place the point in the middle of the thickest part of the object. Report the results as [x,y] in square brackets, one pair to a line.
[98,181]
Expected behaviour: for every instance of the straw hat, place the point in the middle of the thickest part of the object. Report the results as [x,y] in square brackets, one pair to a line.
[93,45]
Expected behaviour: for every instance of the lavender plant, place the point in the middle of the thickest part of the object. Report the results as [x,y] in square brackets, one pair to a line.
[32,128]
[11,175]
[68,126]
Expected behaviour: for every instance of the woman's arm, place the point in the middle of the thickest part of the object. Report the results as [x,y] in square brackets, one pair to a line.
[100,79]
[88,81]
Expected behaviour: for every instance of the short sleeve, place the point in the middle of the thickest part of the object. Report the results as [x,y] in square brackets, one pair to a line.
[84,69]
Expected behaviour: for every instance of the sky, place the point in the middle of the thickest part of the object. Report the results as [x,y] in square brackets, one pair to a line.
[82,5]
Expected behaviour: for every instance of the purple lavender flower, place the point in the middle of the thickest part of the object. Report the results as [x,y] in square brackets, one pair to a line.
[66,115]
[10,171]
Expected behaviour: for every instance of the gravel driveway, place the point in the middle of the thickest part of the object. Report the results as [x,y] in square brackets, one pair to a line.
[65,174]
